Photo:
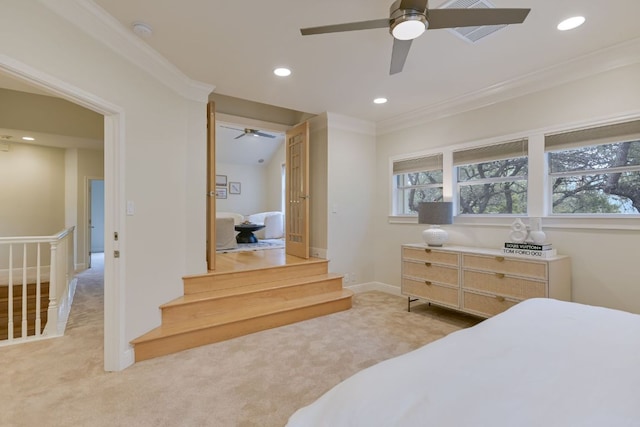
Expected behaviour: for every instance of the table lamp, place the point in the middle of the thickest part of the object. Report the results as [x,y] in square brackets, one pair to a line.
[435,214]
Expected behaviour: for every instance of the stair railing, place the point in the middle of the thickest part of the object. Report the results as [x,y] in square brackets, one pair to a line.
[26,261]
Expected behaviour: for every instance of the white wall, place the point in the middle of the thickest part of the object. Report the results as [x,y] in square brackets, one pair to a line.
[253,188]
[351,195]
[32,190]
[603,259]
[163,161]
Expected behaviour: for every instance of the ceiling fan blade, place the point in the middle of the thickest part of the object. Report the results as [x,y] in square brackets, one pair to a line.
[351,26]
[229,127]
[453,18]
[240,136]
[262,134]
[414,4]
[399,55]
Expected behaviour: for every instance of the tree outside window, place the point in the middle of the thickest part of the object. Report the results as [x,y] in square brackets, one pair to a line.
[596,179]
[417,179]
[493,179]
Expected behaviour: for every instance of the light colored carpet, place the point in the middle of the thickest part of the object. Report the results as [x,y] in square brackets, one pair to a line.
[255,380]
[260,245]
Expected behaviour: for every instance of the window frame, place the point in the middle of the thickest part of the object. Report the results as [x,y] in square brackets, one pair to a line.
[397,192]
[538,177]
[589,136]
[499,150]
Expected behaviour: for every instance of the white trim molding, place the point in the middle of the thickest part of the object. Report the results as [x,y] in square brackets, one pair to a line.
[95,21]
[607,59]
[375,286]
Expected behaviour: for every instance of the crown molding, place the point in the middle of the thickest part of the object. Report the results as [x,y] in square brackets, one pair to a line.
[95,21]
[351,124]
[603,60]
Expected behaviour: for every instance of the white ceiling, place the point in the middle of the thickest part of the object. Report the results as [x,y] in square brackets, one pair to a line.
[235,46]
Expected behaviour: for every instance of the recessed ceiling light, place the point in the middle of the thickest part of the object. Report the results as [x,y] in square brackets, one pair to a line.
[28,138]
[571,23]
[380,101]
[282,72]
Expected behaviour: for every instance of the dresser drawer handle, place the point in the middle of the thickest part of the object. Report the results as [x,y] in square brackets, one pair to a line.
[500,275]
[499,298]
[427,250]
[428,283]
[499,258]
[428,264]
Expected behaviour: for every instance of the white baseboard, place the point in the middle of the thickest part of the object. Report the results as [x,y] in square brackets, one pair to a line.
[128,358]
[318,253]
[375,286]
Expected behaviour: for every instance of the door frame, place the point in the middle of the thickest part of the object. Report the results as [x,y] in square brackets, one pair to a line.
[89,214]
[211,172]
[117,352]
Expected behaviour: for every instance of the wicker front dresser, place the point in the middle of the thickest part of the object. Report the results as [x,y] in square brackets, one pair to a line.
[483,282]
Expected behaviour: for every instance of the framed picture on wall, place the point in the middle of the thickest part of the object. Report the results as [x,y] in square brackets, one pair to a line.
[221,193]
[221,180]
[234,188]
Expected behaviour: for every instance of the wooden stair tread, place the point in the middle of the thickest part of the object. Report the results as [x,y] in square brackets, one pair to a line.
[248,289]
[251,312]
[310,261]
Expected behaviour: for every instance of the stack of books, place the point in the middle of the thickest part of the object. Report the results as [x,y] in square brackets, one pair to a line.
[529,249]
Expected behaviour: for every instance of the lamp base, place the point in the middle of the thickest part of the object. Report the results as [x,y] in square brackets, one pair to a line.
[435,236]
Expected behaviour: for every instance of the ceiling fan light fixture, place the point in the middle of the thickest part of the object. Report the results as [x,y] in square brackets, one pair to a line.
[380,100]
[409,27]
[571,23]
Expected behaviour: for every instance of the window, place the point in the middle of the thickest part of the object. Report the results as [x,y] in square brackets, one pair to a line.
[596,170]
[416,180]
[492,179]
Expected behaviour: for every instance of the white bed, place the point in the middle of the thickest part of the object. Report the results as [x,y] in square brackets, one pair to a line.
[541,363]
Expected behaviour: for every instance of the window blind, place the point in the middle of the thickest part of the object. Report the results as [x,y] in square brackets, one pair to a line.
[418,164]
[488,153]
[628,131]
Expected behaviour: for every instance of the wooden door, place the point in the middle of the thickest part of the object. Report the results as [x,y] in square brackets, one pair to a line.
[297,191]
[211,185]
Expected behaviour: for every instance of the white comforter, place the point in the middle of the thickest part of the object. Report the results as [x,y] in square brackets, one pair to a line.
[541,363]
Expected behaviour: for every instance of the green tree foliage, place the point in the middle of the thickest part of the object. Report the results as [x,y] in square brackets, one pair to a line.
[605,179]
[422,187]
[494,193]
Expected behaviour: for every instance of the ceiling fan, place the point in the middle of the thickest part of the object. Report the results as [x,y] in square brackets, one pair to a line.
[408,19]
[247,131]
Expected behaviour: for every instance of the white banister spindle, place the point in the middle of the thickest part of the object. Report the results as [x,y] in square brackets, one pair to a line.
[52,312]
[38,292]
[61,285]
[24,291]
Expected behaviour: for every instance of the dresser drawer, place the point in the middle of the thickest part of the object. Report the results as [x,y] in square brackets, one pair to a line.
[426,254]
[431,272]
[499,283]
[485,305]
[431,292]
[500,264]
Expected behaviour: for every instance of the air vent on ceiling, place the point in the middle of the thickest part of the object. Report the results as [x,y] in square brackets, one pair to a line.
[472,34]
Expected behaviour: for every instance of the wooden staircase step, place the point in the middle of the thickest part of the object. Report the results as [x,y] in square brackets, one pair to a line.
[211,302]
[167,339]
[215,281]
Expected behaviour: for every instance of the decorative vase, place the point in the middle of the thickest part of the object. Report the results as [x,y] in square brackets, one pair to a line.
[536,234]
[518,231]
